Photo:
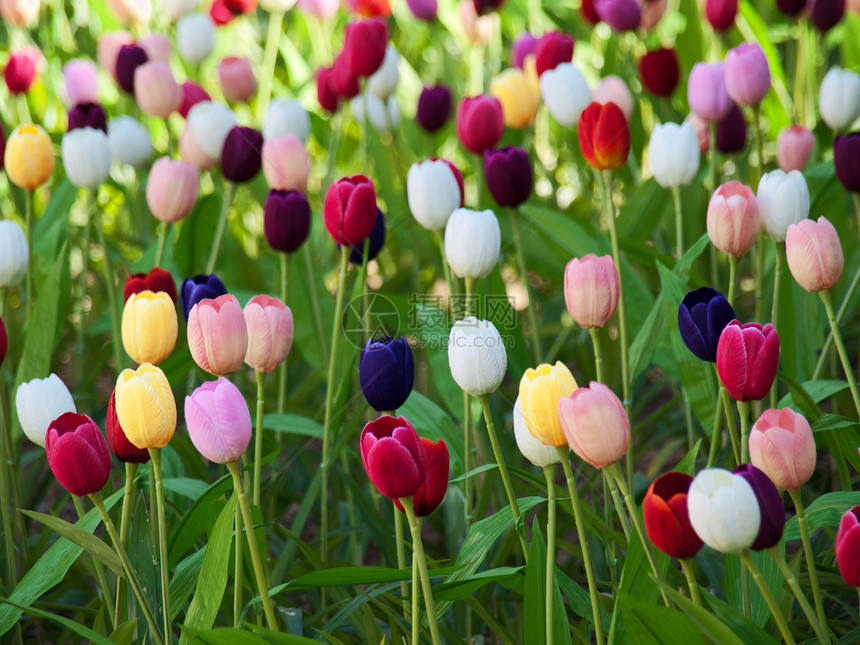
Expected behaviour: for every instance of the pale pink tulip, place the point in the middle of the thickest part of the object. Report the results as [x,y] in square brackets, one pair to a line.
[595,424]
[20,13]
[270,332]
[171,190]
[237,78]
[131,12]
[155,90]
[652,13]
[157,47]
[613,89]
[793,147]
[81,80]
[286,163]
[814,254]
[192,152]
[217,334]
[782,446]
[733,219]
[591,290]
[219,421]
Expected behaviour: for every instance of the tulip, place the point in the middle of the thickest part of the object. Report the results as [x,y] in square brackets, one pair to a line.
[770,506]
[192,152]
[432,192]
[747,358]
[519,96]
[118,442]
[88,115]
[78,454]
[554,48]
[814,254]
[613,89]
[86,157]
[20,12]
[589,12]
[706,91]
[423,9]
[591,290]
[220,13]
[721,13]
[81,81]
[532,448]
[702,133]
[846,160]
[733,220]
[219,421]
[286,220]
[21,70]
[480,123]
[192,94]
[839,98]
[350,209]
[793,147]
[826,14]
[595,424]
[791,7]
[286,164]
[370,8]
[393,456]
[241,156]
[703,315]
[14,253]
[157,47]
[149,327]
[321,9]
[286,116]
[484,7]
[327,95]
[565,93]
[723,510]
[108,48]
[155,90]
[177,8]
[237,79]
[674,154]
[432,490]
[524,45]
[652,13]
[782,445]
[195,37]
[199,288]
[459,177]
[384,116]
[473,241]
[375,242]
[270,332]
[477,356]
[508,174]
[129,141]
[667,520]
[4,341]
[171,190]
[364,45]
[540,392]
[128,59]
[732,131]
[434,107]
[783,200]
[383,81]
[386,371]
[145,406]
[39,402]
[131,12]
[157,280]
[29,157]
[218,334]
[621,15]
[604,136]
[747,74]
[344,82]
[848,547]
[660,71]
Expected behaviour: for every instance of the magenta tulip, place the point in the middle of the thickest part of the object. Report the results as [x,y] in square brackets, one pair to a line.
[393,456]
[78,453]
[747,358]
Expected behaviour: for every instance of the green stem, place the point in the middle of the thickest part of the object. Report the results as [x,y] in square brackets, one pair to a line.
[315,305]
[840,347]
[716,435]
[679,222]
[759,142]
[401,558]
[768,597]
[282,369]
[744,414]
[28,207]
[534,330]
[759,278]
[270,59]
[840,314]
[236,470]
[239,569]
[153,516]
[416,597]
[162,242]
[169,139]
[110,288]
[808,611]
[124,527]
[5,502]
[99,569]
[745,594]
[687,566]
[733,279]
[619,505]
[730,417]
[258,438]
[549,474]
[229,193]
[774,311]
[810,557]
[155,463]
[446,270]
[421,561]
[594,332]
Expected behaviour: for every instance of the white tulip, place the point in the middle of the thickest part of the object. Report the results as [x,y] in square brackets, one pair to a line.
[86,157]
[129,141]
[39,402]
[565,93]
[674,154]
[432,192]
[195,37]
[723,510]
[472,242]
[210,123]
[286,116]
[532,448]
[175,9]
[384,116]
[839,98]
[383,81]
[783,200]
[477,356]
[14,254]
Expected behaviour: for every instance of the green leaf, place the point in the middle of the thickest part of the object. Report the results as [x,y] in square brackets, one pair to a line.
[349,576]
[534,596]
[649,624]
[748,631]
[68,623]
[508,577]
[637,576]
[236,636]
[198,518]
[183,580]
[190,488]
[770,574]
[827,510]
[688,463]
[827,422]
[710,626]
[293,424]
[124,633]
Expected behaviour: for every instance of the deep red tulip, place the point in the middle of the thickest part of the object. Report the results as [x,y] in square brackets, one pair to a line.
[78,453]
[848,546]
[156,280]
[666,520]
[604,136]
[554,48]
[480,123]
[826,14]
[21,70]
[721,13]
[326,92]
[88,115]
[4,341]
[364,45]
[350,209]
[393,456]
[747,358]
[431,493]
[124,450]
[660,71]
[343,81]
[589,13]
[129,58]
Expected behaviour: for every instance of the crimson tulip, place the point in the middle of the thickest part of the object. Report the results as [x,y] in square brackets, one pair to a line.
[604,136]
[393,456]
[480,123]
[350,209]
[554,48]
[364,45]
[124,449]
[667,521]
[721,13]
[660,71]
[78,453]
[241,157]
[848,546]
[156,280]
[431,493]
[747,358]
[327,95]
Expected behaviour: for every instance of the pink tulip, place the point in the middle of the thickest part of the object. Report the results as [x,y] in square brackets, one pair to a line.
[237,78]
[157,47]
[793,147]
[270,332]
[702,133]
[747,74]
[131,12]
[108,48]
[286,163]
[321,9]
[733,219]
[706,92]
[218,335]
[591,290]
[613,89]
[155,90]
[652,12]
[747,358]
[219,421]
[171,190]
[782,446]
[814,254]
[595,424]
[192,152]
[81,78]
[20,12]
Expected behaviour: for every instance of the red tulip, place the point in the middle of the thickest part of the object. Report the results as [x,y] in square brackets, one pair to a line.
[326,93]
[666,520]
[21,70]
[721,13]
[393,456]
[124,449]
[156,280]
[431,493]
[480,123]
[589,13]
[364,45]
[343,81]
[553,48]
[370,8]
[350,209]
[192,94]
[604,136]
[660,71]
[78,453]
[747,358]
[848,546]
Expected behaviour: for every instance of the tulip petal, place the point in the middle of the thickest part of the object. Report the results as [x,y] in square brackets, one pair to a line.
[393,469]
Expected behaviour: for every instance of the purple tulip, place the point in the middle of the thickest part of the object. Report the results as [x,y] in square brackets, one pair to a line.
[434,107]
[846,159]
[129,58]
[386,371]
[88,115]
[791,8]
[826,14]
[377,240]
[286,220]
[199,288]
[732,131]
[706,91]
[621,15]
[769,503]
[423,9]
[219,422]
[702,316]
[509,175]
[523,45]
[747,74]
[241,157]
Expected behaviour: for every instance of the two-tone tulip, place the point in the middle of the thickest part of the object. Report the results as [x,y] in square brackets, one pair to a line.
[540,392]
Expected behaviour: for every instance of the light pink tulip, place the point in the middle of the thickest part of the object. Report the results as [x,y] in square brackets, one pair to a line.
[81,79]
[157,47]
[171,190]
[591,290]
[131,12]
[155,90]
[793,147]
[733,219]
[270,332]
[782,446]
[477,29]
[652,13]
[706,91]
[108,48]
[218,335]
[595,424]
[322,9]
[20,13]
[613,89]
[814,254]
[237,78]
[219,421]
[747,74]
[192,152]
[702,132]
[286,163]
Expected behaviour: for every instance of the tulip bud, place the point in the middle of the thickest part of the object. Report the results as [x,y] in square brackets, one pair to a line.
[783,199]
[364,45]
[595,424]
[393,456]
[155,90]
[846,160]
[157,280]
[88,115]
[237,79]
[195,37]
[218,334]
[86,157]
[286,116]
[519,96]
[327,95]
[370,8]
[171,190]
[541,389]
[29,156]
[321,9]
[480,123]
[508,174]
[706,91]
[660,71]
[383,81]
[128,59]
[477,356]
[81,81]
[613,89]
[131,12]
[674,154]
[375,242]
[434,107]
[241,156]
[423,9]
[589,12]
[108,48]
[198,288]
[733,219]
[219,421]
[149,327]
[703,315]
[591,290]
[770,506]
[459,177]
[732,131]
[565,93]
[145,406]
[524,45]
[343,81]
[747,358]
[286,164]
[848,547]
[270,332]
[723,510]
[192,94]
[221,13]
[721,13]
[432,192]
[791,7]
[20,12]
[793,147]
[21,70]
[604,136]
[78,454]
[473,241]
[826,14]
[384,116]
[386,371]
[532,448]
[814,254]
[192,152]
[667,520]
[39,402]
[118,442]
[286,220]
[432,490]
[781,444]
[747,74]
[702,133]
[839,98]
[621,15]
[350,209]
[129,141]
[157,47]
[554,48]
[14,253]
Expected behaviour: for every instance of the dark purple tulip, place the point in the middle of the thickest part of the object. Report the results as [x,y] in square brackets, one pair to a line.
[523,45]
[129,58]
[483,7]
[732,131]
[826,14]
[241,156]
[199,288]
[621,15]
[509,175]
[702,316]
[386,371]
[88,115]
[377,240]
[846,159]
[286,220]
[434,107]
[769,503]
[791,7]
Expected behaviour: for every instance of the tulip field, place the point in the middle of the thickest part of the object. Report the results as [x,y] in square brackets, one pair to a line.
[430,321]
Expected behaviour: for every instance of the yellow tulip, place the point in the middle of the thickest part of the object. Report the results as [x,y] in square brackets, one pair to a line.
[29,158]
[519,96]
[149,327]
[145,406]
[541,389]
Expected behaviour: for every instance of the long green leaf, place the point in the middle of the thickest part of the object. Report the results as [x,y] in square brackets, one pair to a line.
[68,623]
[649,624]
[826,510]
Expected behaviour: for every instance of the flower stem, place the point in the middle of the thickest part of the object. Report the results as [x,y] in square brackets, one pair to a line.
[744,414]
[401,558]
[594,332]
[549,474]
[239,569]
[282,369]
[28,208]
[162,242]
[99,569]
[759,142]
[679,222]
[534,330]
[788,574]
[759,278]
[730,417]
[236,470]
[619,505]
[687,566]
[258,438]
[124,526]
[155,463]
[733,279]
[270,59]
[421,561]
[7,501]
[110,289]
[229,193]
[809,555]
[446,270]
[768,597]
[469,431]
[716,435]
[416,597]
[774,311]
[840,346]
